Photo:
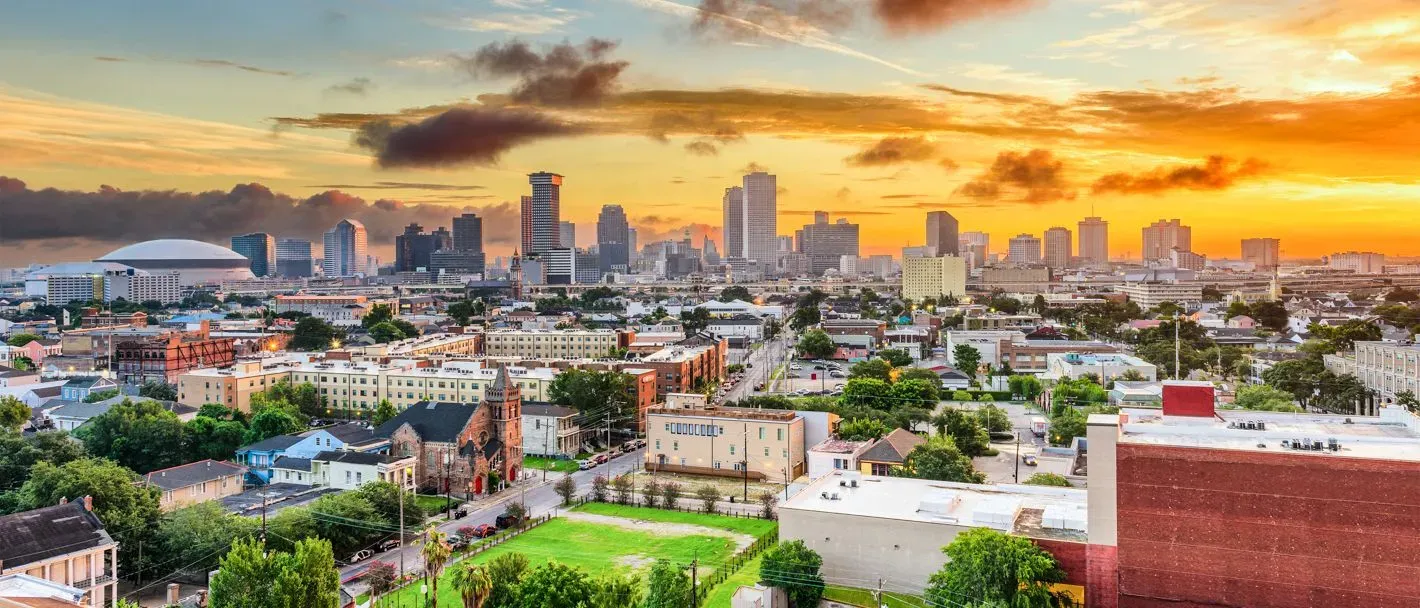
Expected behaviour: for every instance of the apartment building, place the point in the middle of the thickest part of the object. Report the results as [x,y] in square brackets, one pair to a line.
[360,386]
[689,434]
[230,386]
[1150,294]
[683,369]
[553,343]
[196,482]
[64,544]
[1388,368]
[165,358]
[343,311]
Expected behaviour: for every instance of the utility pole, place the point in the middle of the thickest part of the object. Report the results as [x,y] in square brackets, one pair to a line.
[693,581]
[744,464]
[401,525]
[1177,321]
[878,595]
[1018,456]
[263,520]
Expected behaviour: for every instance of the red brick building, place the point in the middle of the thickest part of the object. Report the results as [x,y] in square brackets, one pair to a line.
[164,358]
[1192,508]
[685,368]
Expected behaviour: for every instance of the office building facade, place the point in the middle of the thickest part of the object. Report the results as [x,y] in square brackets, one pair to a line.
[826,243]
[1093,233]
[1023,249]
[293,258]
[613,239]
[414,248]
[761,209]
[468,233]
[1163,236]
[942,233]
[259,248]
[1057,248]
[975,247]
[345,249]
[933,277]
[733,224]
[542,213]
[1263,253]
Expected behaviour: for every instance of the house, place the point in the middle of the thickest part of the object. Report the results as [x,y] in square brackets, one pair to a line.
[462,448]
[835,455]
[196,482]
[741,326]
[64,544]
[25,591]
[79,389]
[1242,322]
[349,470]
[889,452]
[551,430]
[286,469]
[952,378]
[11,377]
[72,414]
[259,456]
[35,394]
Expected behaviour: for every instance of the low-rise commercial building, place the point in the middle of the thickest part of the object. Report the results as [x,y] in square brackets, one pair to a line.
[1105,366]
[338,310]
[684,369]
[691,435]
[167,357]
[1016,279]
[1151,294]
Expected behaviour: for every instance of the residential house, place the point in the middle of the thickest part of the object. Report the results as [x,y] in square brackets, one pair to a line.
[64,544]
[889,452]
[741,326]
[835,455]
[79,389]
[11,377]
[73,415]
[25,591]
[286,469]
[349,470]
[551,430]
[258,457]
[196,482]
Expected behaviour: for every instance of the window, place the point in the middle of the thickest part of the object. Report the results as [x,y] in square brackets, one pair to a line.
[779,434]
[675,445]
[786,452]
[347,477]
[761,432]
[732,449]
[658,444]
[358,476]
[766,452]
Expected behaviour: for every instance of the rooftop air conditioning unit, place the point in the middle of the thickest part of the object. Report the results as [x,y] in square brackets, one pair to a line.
[853,483]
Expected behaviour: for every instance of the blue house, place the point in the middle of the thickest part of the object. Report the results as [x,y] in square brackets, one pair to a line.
[79,389]
[351,436]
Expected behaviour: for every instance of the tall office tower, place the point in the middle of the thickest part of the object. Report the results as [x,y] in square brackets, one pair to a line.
[293,258]
[1023,249]
[1163,236]
[613,239]
[825,243]
[787,242]
[567,234]
[542,213]
[1057,248]
[761,216]
[1094,240]
[710,253]
[975,247]
[942,233]
[525,223]
[468,233]
[345,246]
[259,248]
[414,248]
[1262,252]
[734,222]
[632,253]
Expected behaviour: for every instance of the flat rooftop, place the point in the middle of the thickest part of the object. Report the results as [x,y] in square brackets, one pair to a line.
[1031,511]
[1393,435]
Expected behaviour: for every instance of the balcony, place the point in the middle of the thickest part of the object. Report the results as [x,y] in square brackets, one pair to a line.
[98,580]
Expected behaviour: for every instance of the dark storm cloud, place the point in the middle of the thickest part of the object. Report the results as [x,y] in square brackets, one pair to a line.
[1036,175]
[562,75]
[1216,173]
[115,216]
[477,136]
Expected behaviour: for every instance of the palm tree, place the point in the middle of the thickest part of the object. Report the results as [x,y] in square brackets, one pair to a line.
[436,553]
[473,584]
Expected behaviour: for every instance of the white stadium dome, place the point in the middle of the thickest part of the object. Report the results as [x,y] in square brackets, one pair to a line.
[197,262]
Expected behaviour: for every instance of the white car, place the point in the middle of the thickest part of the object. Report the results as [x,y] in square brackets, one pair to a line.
[795,366]
[361,555]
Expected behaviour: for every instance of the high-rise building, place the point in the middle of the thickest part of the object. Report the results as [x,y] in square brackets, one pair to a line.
[942,233]
[344,250]
[412,250]
[734,222]
[1262,252]
[933,277]
[259,248]
[561,265]
[613,239]
[1057,248]
[1163,236]
[1023,249]
[1359,262]
[542,214]
[825,243]
[975,247]
[631,251]
[761,228]
[456,261]
[1094,240]
[567,234]
[1187,260]
[710,253]
[293,258]
[468,233]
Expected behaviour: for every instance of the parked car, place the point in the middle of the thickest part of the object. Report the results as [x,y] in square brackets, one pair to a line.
[484,531]
[1028,459]
[583,465]
[795,366]
[389,545]
[601,458]
[818,367]
[361,555]
[836,374]
[505,521]
[458,542]
[461,513]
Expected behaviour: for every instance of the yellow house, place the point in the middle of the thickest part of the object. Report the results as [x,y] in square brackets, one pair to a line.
[196,482]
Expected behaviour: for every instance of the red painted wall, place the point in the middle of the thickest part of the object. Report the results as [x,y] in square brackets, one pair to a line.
[1208,527]
[1185,400]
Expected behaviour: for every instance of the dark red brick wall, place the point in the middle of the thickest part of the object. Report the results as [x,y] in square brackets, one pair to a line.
[1205,527]
[1070,556]
[1102,576]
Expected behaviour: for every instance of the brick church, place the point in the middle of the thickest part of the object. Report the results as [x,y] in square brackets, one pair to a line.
[457,445]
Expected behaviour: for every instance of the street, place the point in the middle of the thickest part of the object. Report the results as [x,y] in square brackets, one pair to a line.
[760,364]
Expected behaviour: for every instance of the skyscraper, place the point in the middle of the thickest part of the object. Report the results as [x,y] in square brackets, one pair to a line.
[567,234]
[734,222]
[1057,247]
[632,253]
[942,233]
[345,246]
[613,238]
[1262,252]
[542,213]
[1023,249]
[1163,236]
[761,211]
[1094,240]
[975,247]
[293,258]
[414,248]
[468,233]
[259,248]
[825,243]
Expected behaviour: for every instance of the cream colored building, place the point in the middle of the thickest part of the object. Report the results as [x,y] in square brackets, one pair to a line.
[933,277]
[361,386]
[64,544]
[230,386]
[688,434]
[1150,294]
[196,482]
[558,343]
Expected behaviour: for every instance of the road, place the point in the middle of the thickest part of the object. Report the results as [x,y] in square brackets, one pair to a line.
[762,361]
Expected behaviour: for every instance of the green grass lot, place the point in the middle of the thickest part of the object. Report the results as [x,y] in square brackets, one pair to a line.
[721,595]
[596,547]
[864,597]
[434,504]
[538,463]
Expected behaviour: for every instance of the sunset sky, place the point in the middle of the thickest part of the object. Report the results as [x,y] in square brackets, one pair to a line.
[1291,119]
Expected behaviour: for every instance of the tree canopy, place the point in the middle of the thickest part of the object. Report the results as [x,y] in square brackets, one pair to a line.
[793,567]
[939,459]
[249,577]
[967,359]
[817,344]
[990,568]
[312,333]
[597,392]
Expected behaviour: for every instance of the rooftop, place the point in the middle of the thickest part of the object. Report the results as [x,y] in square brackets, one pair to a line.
[838,446]
[32,536]
[193,473]
[1031,511]
[742,413]
[1394,435]
[547,409]
[349,457]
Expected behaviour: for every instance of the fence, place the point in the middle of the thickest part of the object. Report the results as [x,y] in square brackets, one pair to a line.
[733,565]
[413,577]
[660,504]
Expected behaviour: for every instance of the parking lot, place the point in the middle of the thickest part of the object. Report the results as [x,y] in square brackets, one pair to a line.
[813,378]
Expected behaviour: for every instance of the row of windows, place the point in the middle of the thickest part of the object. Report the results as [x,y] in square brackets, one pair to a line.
[702,430]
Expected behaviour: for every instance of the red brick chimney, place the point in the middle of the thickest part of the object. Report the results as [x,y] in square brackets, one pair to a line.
[88,503]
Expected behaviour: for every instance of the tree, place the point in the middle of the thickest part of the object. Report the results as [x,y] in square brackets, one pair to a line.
[21,339]
[1066,425]
[965,432]
[1132,375]
[599,484]
[651,493]
[313,333]
[161,391]
[993,419]
[914,393]
[1270,314]
[1401,294]
[472,582]
[867,392]
[13,414]
[990,568]
[1006,304]
[1264,398]
[346,519]
[767,500]
[379,313]
[694,320]
[566,488]
[805,317]
[772,327]
[1407,400]
[621,485]
[919,373]
[22,363]
[210,438]
[1167,310]
[793,567]
[670,495]
[384,412]
[1296,376]
[127,506]
[1345,336]
[1039,305]
[380,576]
[271,422]
[506,572]
[98,396]
[386,332]
[592,391]
[614,590]
[878,369]
[1047,479]
[1026,386]
[248,577]
[667,586]
[461,312]
[708,496]
[862,429]
[817,344]
[967,359]
[436,553]
[142,436]
[735,292]
[198,534]
[19,453]
[385,498]
[939,459]
[897,357]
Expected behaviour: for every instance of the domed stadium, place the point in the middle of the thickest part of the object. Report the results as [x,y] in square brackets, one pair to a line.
[197,263]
